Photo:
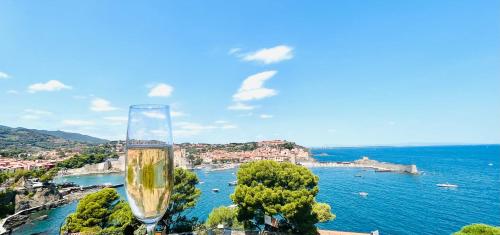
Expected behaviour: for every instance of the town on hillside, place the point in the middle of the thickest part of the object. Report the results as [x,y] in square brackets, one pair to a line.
[186,155]
[26,176]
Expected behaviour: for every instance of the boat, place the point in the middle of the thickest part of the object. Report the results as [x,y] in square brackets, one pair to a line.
[215,190]
[201,182]
[382,170]
[358,175]
[363,194]
[233,183]
[447,185]
[491,164]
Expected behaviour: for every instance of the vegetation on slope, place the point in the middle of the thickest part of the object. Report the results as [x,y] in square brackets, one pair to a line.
[478,229]
[15,141]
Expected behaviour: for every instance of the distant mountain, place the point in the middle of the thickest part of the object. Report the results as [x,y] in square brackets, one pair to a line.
[73,136]
[23,139]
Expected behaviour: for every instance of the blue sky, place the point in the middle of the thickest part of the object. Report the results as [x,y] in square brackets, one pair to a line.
[333,73]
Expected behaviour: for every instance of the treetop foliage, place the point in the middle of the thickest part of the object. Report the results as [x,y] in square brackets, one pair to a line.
[102,213]
[478,229]
[98,213]
[184,196]
[282,190]
[225,216]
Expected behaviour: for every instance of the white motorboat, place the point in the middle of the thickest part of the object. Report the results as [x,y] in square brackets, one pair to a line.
[447,185]
[363,194]
[215,190]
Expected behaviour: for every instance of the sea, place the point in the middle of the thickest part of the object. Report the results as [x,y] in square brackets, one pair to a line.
[396,203]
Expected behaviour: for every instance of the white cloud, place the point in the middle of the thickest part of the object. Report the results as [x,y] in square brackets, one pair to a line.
[101,105]
[154,114]
[161,90]
[229,126]
[187,129]
[30,117]
[4,75]
[246,114]
[233,51]
[222,124]
[52,85]
[270,55]
[76,122]
[252,87]
[266,116]
[160,133]
[240,106]
[34,114]
[177,114]
[193,126]
[37,112]
[13,92]
[117,120]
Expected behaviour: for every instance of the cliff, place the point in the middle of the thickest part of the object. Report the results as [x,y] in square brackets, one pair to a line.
[33,197]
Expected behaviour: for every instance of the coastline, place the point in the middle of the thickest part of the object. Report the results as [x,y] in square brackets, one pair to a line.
[114,171]
[69,195]
[367,163]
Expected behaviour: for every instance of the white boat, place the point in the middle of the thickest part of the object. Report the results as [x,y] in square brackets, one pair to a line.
[201,182]
[447,185]
[233,183]
[363,194]
[216,190]
[491,164]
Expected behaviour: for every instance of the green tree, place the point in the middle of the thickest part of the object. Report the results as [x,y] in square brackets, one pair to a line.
[3,177]
[184,196]
[7,204]
[323,212]
[283,190]
[223,215]
[288,145]
[49,175]
[97,213]
[478,229]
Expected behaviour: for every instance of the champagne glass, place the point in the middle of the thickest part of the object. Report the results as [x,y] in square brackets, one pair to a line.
[149,162]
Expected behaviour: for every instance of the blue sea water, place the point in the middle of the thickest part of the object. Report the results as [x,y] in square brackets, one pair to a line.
[396,203]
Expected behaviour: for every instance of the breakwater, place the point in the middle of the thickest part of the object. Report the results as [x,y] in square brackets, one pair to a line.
[365,162]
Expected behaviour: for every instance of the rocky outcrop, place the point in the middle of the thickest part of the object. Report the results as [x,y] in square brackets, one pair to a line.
[23,216]
[28,198]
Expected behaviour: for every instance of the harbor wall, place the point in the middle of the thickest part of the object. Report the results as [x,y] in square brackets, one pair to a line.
[365,162]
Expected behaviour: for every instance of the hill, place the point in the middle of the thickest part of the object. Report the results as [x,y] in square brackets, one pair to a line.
[17,140]
[73,136]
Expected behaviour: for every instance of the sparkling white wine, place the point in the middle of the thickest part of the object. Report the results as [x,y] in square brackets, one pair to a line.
[149,181]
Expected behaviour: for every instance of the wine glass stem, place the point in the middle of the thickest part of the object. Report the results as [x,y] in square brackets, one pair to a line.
[149,229]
